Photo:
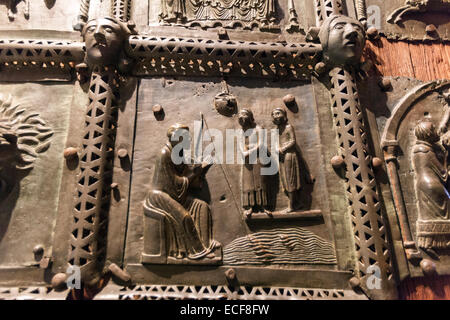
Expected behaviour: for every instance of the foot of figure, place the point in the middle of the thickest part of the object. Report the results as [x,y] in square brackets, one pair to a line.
[269,213]
[288,210]
[248,213]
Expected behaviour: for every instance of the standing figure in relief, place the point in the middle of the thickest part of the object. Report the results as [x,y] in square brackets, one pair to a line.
[254,193]
[289,162]
[172,11]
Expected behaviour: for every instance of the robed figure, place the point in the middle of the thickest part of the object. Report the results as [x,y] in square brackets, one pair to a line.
[289,162]
[431,182]
[187,220]
[253,188]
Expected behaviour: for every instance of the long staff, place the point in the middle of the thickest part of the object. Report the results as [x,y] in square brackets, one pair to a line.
[227,179]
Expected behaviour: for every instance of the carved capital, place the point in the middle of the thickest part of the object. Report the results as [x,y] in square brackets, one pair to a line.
[391,151]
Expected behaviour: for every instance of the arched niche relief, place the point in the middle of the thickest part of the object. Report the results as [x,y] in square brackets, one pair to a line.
[424,106]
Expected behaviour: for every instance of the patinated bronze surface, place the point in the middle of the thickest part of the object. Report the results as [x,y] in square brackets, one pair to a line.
[297,176]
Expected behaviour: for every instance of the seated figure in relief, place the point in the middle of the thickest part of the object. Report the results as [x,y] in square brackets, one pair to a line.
[187,220]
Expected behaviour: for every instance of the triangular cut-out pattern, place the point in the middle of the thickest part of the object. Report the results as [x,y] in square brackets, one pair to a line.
[325,8]
[367,219]
[87,243]
[30,293]
[40,52]
[121,9]
[175,56]
[174,292]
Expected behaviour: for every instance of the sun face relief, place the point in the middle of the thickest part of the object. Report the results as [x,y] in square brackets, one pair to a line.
[104,38]
[343,40]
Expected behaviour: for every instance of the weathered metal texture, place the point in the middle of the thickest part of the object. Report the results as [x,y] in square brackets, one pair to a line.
[94,182]
[90,215]
[29,210]
[410,20]
[418,103]
[222,190]
[38,14]
[26,52]
[201,57]
[94,209]
[156,292]
[365,207]
[228,14]
[172,56]
[369,224]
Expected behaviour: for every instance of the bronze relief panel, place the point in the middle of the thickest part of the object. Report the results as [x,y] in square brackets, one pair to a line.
[415,141]
[33,125]
[226,213]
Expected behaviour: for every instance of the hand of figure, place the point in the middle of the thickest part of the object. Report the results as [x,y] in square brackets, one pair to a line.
[207,162]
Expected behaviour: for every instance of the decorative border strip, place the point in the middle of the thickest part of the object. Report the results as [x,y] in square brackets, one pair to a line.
[193,56]
[32,293]
[164,292]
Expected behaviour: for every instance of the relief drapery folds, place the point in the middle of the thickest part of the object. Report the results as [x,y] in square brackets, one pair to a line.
[430,163]
[180,11]
[253,185]
[184,222]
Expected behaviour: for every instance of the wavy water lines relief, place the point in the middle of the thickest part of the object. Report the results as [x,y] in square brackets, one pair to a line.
[280,246]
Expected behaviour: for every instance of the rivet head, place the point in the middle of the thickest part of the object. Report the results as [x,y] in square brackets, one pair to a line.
[377,162]
[428,267]
[222,33]
[122,153]
[372,32]
[430,29]
[38,250]
[385,84]
[157,109]
[354,282]
[59,281]
[337,162]
[70,153]
[320,67]
[289,99]
[230,274]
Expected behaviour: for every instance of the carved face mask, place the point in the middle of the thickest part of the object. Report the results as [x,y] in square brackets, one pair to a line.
[103,39]
[343,40]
